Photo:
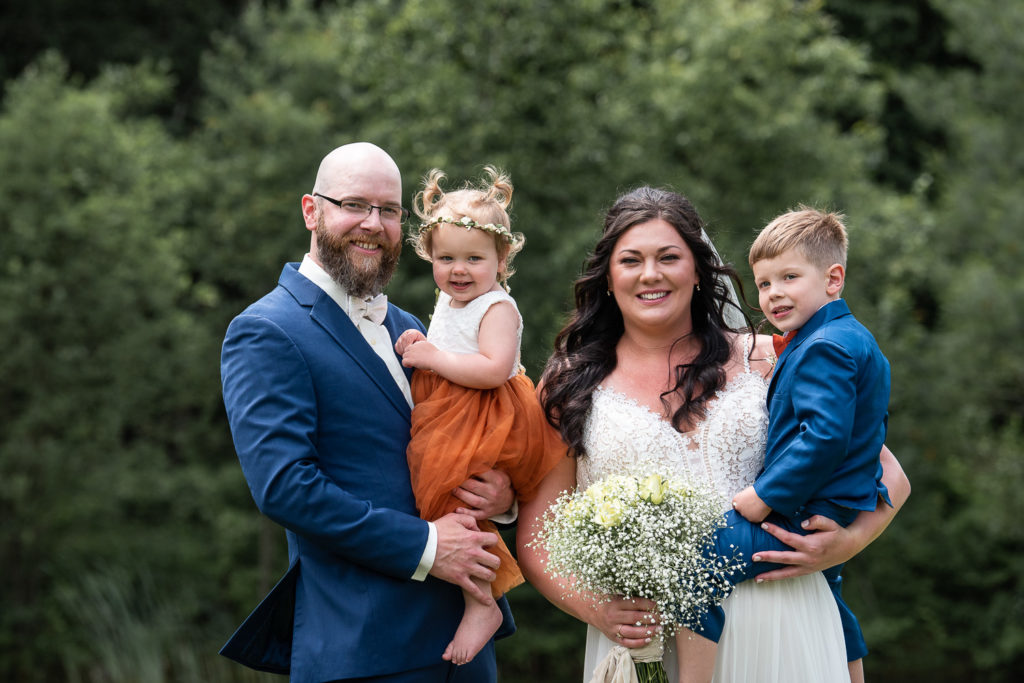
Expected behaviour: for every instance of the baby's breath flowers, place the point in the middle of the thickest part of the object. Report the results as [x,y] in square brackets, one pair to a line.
[643,537]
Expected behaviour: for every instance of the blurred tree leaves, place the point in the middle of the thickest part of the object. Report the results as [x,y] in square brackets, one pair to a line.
[129,238]
[109,418]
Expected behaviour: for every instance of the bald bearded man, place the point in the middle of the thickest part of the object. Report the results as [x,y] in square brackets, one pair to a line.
[319,406]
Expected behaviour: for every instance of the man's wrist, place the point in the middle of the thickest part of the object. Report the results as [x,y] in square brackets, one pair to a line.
[429,553]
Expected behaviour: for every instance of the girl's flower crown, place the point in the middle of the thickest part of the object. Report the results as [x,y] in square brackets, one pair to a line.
[513,238]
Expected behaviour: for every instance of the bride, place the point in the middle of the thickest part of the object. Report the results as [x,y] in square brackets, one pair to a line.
[652,375]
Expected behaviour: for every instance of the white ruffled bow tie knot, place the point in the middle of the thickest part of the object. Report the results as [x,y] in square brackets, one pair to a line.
[374,309]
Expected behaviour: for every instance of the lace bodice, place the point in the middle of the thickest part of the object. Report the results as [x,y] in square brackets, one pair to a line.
[457,329]
[726,449]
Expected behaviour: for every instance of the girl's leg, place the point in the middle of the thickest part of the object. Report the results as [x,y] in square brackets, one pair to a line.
[478,625]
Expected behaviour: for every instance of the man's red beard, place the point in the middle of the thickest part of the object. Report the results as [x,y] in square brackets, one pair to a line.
[361,275]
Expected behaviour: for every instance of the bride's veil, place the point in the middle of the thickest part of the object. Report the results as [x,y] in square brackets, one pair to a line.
[733,314]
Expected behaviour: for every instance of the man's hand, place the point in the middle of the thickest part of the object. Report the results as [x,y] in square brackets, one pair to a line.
[461,557]
[750,505]
[487,495]
[829,546]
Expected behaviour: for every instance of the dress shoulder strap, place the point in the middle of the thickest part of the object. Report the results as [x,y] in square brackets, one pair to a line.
[748,339]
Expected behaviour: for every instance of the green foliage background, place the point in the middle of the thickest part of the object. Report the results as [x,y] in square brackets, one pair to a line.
[151,165]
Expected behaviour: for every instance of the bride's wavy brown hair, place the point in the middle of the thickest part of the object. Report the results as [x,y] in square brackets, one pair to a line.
[585,348]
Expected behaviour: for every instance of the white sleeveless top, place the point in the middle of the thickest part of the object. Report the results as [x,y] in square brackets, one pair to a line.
[458,329]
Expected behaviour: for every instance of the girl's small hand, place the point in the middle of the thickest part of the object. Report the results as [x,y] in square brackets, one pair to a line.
[408,338]
[419,354]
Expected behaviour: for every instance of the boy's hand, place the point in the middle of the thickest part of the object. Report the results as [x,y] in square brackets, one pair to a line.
[407,339]
[750,505]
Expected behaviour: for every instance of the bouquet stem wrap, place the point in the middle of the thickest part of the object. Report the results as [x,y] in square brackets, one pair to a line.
[639,665]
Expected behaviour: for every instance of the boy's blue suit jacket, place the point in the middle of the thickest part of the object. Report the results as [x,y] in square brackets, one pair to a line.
[827,402]
[321,429]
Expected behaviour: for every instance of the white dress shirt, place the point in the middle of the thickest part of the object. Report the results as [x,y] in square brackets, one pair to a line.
[379,340]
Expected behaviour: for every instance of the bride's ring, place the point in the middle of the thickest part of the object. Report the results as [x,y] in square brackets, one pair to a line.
[618,632]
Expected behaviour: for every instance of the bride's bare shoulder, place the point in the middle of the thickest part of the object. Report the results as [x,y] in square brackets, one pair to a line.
[762,355]
[763,345]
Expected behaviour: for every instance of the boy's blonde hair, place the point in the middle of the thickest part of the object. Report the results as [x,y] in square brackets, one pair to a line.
[819,235]
[483,207]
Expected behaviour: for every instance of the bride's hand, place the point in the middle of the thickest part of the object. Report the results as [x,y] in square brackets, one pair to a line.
[829,545]
[617,619]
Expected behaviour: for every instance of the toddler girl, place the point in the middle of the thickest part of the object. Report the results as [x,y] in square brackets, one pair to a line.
[475,409]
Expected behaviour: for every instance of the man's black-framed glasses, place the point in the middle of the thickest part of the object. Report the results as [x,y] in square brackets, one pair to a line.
[357,208]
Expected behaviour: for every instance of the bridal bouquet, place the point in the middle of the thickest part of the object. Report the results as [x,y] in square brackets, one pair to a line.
[640,537]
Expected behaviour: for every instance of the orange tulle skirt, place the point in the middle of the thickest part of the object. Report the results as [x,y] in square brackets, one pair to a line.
[459,432]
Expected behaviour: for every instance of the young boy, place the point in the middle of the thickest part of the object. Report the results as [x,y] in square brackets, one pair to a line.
[827,401]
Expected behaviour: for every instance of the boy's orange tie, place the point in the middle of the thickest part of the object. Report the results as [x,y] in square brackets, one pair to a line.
[780,341]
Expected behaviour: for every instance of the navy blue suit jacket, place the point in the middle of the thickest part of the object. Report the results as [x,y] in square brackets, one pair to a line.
[827,402]
[321,429]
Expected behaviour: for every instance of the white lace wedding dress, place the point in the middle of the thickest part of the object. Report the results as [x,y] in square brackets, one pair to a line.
[776,632]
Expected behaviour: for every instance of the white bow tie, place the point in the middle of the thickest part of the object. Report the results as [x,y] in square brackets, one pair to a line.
[375,309]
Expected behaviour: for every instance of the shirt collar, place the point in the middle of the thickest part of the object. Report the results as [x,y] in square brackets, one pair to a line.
[319,277]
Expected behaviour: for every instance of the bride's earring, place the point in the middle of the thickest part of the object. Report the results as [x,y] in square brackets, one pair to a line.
[698,286]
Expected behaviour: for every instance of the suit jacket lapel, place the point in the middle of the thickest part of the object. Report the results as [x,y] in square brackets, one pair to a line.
[391,324]
[329,316]
[827,313]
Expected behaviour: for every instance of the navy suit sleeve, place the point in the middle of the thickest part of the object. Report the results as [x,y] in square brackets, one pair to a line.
[272,409]
[823,396]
